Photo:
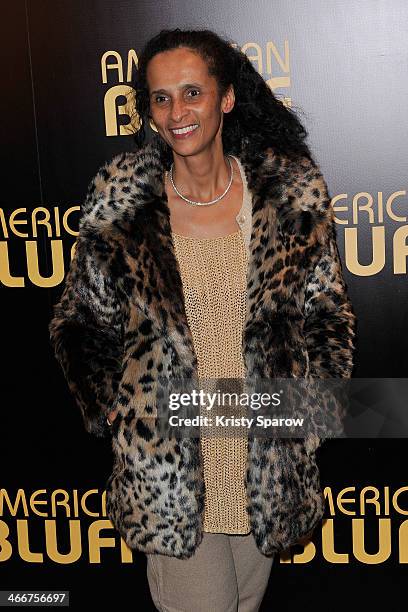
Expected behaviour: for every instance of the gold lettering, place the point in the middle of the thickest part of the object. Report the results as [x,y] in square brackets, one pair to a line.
[337,198]
[341,501]
[44,221]
[395,503]
[13,222]
[96,542]
[357,207]
[118,65]
[369,500]
[3,223]
[65,218]
[271,51]
[389,203]
[34,502]
[257,56]
[308,553]
[75,551]
[384,542]
[328,550]
[5,277]
[24,544]
[132,60]
[402,542]
[112,111]
[6,549]
[351,249]
[400,250]
[57,259]
[19,501]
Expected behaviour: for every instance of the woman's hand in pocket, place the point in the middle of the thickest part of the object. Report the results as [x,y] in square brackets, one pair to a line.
[112,415]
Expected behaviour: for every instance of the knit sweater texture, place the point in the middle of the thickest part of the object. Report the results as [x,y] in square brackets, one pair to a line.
[213,273]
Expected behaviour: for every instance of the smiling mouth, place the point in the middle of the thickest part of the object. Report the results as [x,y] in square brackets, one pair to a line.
[184,130]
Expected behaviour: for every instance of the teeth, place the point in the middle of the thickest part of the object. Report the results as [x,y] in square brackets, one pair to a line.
[189,128]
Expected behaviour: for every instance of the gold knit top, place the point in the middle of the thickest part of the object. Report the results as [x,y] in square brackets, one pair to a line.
[213,273]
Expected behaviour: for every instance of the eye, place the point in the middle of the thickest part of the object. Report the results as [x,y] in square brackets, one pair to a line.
[158,98]
[197,90]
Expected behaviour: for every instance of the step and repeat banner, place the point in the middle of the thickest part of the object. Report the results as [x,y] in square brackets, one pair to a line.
[67,69]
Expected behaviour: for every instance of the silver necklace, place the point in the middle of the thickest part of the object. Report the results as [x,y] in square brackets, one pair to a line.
[202,203]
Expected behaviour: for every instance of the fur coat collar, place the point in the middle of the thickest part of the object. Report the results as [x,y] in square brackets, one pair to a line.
[121,324]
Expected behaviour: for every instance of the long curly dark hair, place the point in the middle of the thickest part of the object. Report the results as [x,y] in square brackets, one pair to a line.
[258,120]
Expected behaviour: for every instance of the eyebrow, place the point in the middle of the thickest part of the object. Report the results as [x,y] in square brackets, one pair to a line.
[183,86]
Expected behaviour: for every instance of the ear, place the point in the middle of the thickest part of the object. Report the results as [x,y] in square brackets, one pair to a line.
[228,100]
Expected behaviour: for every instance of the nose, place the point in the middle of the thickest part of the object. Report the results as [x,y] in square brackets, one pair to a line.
[177,110]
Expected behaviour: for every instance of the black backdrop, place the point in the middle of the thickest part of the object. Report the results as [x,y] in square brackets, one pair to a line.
[343,66]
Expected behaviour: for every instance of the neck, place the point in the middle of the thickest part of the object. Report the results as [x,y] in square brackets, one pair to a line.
[201,177]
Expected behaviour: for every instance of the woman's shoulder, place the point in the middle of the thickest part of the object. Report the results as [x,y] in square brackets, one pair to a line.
[124,165]
[117,183]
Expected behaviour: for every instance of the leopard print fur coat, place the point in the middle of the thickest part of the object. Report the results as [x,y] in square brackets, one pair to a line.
[120,325]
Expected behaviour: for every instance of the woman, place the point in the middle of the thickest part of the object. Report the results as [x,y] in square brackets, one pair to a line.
[209,251]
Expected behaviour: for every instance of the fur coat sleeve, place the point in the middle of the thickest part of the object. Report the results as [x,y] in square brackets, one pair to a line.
[330,323]
[86,330]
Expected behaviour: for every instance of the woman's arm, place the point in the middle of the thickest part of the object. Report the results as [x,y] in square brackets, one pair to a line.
[86,332]
[329,319]
[330,323]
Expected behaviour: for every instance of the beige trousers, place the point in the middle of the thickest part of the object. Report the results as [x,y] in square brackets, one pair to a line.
[227,573]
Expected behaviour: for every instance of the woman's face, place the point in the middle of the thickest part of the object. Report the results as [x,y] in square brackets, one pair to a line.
[183,95]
